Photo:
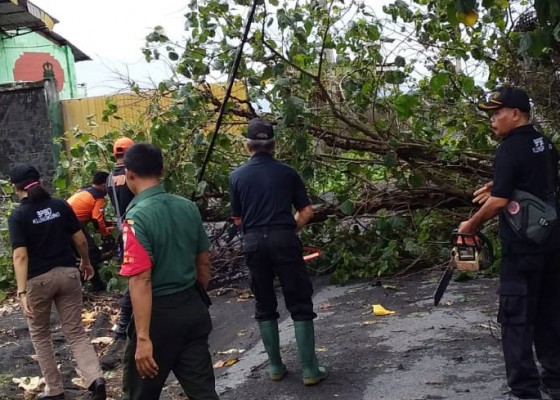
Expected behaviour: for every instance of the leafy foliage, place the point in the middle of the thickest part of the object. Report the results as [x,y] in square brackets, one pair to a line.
[376,109]
[6,267]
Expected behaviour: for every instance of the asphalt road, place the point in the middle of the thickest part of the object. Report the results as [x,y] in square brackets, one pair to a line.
[419,353]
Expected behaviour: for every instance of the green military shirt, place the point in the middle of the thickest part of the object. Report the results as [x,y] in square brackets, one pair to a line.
[164,233]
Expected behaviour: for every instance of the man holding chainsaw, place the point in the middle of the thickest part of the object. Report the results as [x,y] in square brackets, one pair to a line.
[120,196]
[529,311]
[263,192]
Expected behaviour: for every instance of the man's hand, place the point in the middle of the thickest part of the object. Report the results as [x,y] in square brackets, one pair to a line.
[482,194]
[145,363]
[86,269]
[25,307]
[467,227]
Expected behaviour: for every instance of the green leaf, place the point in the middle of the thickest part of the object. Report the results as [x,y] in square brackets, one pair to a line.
[439,80]
[525,43]
[273,3]
[200,188]
[400,61]
[3,296]
[395,77]
[389,160]
[417,180]
[347,207]
[467,84]
[556,33]
[308,173]
[405,104]
[300,143]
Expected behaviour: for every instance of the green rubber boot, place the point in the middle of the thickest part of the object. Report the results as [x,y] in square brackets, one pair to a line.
[271,341]
[305,339]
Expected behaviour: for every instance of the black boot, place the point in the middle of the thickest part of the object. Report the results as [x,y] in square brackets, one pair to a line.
[98,389]
[114,355]
[96,283]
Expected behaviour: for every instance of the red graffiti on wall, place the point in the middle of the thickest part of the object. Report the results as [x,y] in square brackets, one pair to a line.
[29,67]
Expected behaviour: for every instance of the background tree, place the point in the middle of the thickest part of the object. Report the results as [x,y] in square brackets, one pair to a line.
[375,109]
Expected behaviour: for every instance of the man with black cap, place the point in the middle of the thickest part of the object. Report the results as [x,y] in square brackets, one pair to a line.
[530,274]
[88,203]
[41,230]
[262,194]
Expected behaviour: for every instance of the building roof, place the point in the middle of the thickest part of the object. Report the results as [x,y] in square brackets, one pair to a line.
[22,14]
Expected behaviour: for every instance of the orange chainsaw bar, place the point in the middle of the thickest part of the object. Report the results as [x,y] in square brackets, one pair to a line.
[313,253]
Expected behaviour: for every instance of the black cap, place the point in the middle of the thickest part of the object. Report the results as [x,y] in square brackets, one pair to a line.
[260,129]
[100,177]
[507,97]
[24,173]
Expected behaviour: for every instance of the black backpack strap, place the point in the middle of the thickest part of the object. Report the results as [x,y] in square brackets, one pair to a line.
[116,205]
[551,169]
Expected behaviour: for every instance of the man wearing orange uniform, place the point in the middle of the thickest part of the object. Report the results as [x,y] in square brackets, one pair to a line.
[88,204]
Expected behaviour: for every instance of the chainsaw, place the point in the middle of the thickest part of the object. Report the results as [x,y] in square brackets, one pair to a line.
[471,252]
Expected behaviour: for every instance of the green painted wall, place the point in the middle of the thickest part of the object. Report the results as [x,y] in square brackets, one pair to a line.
[11,48]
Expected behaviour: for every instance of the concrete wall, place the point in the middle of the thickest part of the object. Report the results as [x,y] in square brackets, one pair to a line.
[26,132]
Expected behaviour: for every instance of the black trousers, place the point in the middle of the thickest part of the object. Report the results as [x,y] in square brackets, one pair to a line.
[125,315]
[529,314]
[179,330]
[94,256]
[270,253]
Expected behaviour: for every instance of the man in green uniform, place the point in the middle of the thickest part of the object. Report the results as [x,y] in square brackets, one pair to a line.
[165,253]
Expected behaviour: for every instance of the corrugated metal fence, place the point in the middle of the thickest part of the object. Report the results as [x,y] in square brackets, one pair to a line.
[86,114]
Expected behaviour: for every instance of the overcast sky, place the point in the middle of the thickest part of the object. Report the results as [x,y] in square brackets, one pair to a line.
[112,33]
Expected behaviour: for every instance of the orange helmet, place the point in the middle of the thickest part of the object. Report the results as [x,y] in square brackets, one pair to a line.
[121,145]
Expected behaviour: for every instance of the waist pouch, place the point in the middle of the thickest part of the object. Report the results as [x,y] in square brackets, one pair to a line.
[529,217]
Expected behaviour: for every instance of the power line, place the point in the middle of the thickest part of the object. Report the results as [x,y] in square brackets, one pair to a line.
[227,95]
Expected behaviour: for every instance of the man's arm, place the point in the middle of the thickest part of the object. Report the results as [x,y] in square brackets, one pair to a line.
[137,266]
[492,206]
[303,216]
[81,245]
[203,268]
[97,214]
[140,287]
[21,260]
[21,265]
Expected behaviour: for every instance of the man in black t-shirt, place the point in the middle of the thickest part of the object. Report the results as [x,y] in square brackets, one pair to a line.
[262,194]
[41,230]
[530,273]
[120,196]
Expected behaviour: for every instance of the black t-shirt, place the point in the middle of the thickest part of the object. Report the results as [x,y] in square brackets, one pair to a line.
[45,229]
[521,164]
[263,191]
[117,180]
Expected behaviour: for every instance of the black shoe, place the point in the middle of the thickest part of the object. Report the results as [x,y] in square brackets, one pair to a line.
[114,355]
[551,393]
[44,396]
[97,286]
[511,396]
[98,389]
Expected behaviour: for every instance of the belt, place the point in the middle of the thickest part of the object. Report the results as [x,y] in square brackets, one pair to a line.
[266,229]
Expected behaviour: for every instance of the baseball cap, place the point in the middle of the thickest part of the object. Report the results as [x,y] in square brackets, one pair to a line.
[24,173]
[507,97]
[121,145]
[260,129]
